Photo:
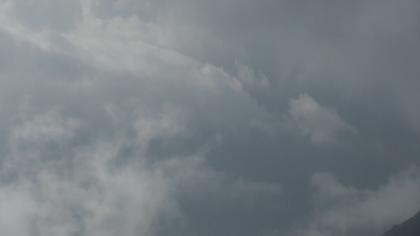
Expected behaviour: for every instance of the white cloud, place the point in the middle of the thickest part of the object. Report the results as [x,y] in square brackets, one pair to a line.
[101,80]
[90,189]
[166,124]
[33,140]
[345,210]
[320,124]
[75,161]
[87,197]
[50,126]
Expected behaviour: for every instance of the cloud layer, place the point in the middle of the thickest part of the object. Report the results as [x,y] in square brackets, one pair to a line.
[321,125]
[346,210]
[208,118]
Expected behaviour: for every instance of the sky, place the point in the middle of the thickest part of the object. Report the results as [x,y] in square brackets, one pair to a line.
[208,117]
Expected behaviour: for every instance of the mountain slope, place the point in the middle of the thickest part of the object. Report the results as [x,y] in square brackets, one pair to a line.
[411,227]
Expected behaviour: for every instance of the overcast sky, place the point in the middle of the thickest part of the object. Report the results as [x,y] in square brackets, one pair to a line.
[208,117]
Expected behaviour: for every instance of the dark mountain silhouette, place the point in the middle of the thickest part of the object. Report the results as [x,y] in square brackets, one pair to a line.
[410,227]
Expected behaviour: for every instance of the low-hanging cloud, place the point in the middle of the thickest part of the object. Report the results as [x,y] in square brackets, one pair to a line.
[320,124]
[77,156]
[207,118]
[346,210]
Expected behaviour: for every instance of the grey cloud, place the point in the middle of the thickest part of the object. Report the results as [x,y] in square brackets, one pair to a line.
[174,117]
[79,190]
[88,199]
[346,210]
[57,15]
[78,160]
[320,124]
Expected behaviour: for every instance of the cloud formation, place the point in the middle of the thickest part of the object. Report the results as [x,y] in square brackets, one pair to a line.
[193,118]
[52,186]
[320,124]
[346,210]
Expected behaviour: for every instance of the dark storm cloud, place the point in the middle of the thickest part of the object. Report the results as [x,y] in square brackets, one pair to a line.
[207,117]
